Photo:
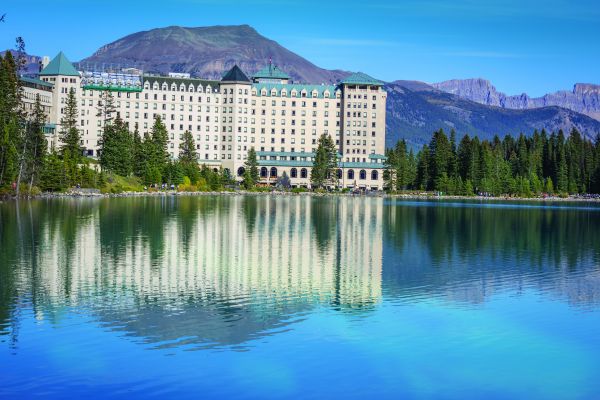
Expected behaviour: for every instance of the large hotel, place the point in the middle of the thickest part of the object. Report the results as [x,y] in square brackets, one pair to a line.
[282,120]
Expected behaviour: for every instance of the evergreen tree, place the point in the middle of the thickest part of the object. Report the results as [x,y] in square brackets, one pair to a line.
[188,158]
[70,136]
[390,169]
[325,163]
[159,155]
[52,176]
[187,149]
[251,169]
[423,162]
[117,148]
[38,144]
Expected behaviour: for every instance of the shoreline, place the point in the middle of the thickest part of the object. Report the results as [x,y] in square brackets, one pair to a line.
[400,196]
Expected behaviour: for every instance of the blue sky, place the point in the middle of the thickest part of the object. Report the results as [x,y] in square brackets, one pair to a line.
[521,46]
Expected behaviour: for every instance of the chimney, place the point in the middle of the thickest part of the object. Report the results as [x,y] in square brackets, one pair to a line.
[45,61]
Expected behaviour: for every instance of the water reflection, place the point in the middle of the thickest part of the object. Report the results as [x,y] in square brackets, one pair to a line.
[466,252]
[220,271]
[210,271]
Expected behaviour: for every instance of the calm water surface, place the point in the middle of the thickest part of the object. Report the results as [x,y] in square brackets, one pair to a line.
[274,297]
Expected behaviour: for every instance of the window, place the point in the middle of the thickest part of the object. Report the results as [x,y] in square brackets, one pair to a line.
[362,175]
[293,173]
[350,174]
[374,175]
[303,173]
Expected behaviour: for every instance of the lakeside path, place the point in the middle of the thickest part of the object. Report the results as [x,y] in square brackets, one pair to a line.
[86,194]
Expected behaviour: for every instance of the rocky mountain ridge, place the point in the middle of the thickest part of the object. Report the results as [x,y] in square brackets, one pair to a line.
[415,109]
[584,98]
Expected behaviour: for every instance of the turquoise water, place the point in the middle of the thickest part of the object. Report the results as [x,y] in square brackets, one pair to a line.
[298,297]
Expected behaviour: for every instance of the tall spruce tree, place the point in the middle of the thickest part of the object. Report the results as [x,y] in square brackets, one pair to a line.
[38,145]
[324,170]
[251,169]
[70,136]
[188,158]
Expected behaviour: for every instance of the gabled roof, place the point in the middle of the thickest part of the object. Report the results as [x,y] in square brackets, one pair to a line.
[271,71]
[235,74]
[60,65]
[360,78]
[178,81]
[288,87]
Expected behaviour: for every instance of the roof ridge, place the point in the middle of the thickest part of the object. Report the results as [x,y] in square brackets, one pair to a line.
[60,65]
[235,74]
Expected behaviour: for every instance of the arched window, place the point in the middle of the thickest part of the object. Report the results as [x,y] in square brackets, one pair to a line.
[293,173]
[350,174]
[374,175]
[263,172]
[339,173]
[303,173]
[273,172]
[215,170]
[241,171]
[362,175]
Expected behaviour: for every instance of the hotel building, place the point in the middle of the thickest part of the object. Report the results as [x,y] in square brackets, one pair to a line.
[280,119]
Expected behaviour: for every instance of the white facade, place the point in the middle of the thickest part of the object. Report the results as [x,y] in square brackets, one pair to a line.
[281,121]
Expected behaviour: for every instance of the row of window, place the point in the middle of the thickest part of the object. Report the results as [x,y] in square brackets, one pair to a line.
[273,173]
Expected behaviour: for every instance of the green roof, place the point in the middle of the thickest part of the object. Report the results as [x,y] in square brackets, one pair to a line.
[113,88]
[235,74]
[34,81]
[360,78]
[272,72]
[321,89]
[60,65]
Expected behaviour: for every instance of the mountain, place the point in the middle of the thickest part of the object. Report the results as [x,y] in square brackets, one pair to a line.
[207,52]
[415,110]
[584,98]
[32,63]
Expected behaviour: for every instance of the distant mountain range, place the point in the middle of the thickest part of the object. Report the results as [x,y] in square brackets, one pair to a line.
[414,109]
[584,98]
[32,63]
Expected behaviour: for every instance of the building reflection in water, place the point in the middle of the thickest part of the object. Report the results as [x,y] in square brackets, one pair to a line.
[208,271]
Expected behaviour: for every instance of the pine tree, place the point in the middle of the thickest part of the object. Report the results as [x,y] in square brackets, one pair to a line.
[70,136]
[38,144]
[423,162]
[251,169]
[159,155]
[390,169]
[52,177]
[188,158]
[187,149]
[325,163]
[117,148]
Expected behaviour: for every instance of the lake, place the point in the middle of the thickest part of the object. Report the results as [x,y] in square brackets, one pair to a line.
[298,297]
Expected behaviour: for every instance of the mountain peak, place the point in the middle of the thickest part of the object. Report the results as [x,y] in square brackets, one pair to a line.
[586,88]
[207,52]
